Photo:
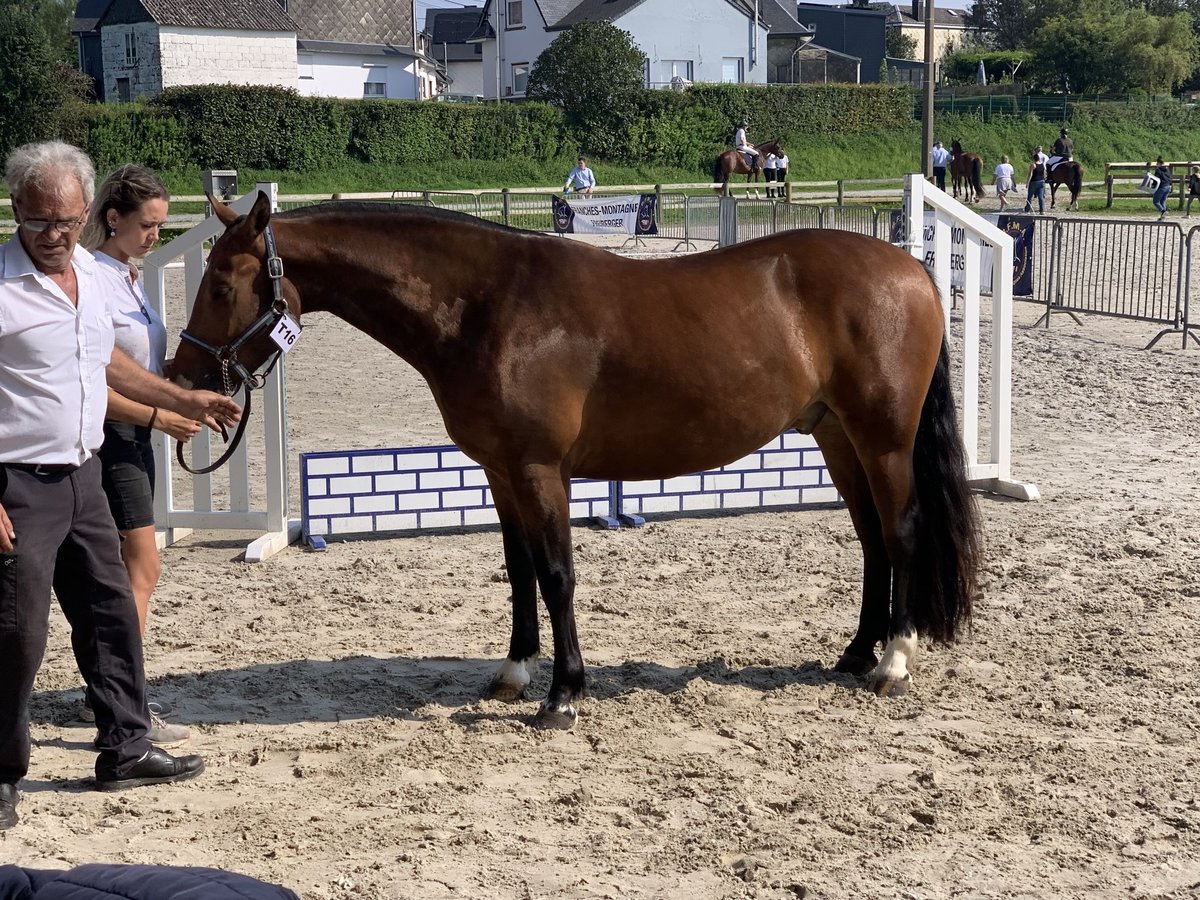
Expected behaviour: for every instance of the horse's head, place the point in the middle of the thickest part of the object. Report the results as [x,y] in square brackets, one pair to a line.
[955,148]
[227,337]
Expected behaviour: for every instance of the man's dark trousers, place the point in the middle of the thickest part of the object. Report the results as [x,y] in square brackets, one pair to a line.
[66,539]
[939,176]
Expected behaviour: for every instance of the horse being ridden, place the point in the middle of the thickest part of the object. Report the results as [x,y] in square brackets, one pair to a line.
[733,162]
[966,169]
[553,359]
[1069,173]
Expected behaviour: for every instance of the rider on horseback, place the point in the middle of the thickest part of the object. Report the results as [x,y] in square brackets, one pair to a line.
[743,145]
[1063,149]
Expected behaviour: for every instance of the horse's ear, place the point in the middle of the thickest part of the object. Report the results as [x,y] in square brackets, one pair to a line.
[222,212]
[260,214]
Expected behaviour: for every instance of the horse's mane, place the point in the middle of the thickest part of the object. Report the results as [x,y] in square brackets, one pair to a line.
[360,208]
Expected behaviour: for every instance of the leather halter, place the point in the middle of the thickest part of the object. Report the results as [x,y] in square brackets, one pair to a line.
[227,355]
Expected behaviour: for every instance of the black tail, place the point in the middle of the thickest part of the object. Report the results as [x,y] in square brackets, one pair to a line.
[943,583]
[717,173]
[1076,180]
[977,176]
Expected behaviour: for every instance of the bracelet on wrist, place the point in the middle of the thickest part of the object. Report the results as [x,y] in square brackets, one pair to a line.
[153,418]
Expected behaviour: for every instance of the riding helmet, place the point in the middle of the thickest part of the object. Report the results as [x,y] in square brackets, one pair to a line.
[1064,132]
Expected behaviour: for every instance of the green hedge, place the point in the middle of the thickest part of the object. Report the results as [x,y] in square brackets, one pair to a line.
[272,128]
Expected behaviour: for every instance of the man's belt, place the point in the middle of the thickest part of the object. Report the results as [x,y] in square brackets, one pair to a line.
[42,468]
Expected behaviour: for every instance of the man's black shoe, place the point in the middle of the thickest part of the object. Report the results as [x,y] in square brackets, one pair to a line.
[156,767]
[9,798]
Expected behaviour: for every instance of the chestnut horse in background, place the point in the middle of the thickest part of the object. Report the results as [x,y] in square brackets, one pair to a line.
[733,162]
[551,359]
[967,169]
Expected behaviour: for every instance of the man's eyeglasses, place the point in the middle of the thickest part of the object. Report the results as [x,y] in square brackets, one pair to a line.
[62,226]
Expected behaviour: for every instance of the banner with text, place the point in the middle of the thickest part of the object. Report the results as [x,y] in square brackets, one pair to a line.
[1021,229]
[605,215]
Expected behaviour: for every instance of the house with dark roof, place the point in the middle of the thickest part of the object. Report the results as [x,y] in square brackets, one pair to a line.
[459,61]
[855,37]
[701,40]
[149,45]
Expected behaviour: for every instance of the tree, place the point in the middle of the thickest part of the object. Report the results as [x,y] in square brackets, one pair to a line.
[1105,46]
[900,45]
[32,85]
[594,72]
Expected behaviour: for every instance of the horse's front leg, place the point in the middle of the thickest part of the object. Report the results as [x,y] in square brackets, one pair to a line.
[542,500]
[511,680]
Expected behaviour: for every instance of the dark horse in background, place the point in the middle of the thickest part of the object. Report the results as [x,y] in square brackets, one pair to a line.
[551,359]
[733,162]
[1070,173]
[966,169]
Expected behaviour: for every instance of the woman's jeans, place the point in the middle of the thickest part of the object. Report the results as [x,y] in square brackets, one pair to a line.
[1036,189]
[1160,198]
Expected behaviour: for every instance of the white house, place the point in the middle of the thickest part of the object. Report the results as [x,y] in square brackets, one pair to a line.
[701,40]
[364,71]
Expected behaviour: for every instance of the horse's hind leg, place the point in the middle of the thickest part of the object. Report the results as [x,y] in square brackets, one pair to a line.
[513,677]
[851,481]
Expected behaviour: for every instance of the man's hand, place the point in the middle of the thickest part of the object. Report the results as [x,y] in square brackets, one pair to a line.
[7,534]
[127,377]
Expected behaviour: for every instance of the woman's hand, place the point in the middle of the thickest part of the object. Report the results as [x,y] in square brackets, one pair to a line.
[172,423]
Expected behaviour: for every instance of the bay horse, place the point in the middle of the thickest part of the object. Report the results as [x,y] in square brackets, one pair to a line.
[550,359]
[733,162]
[1070,173]
[966,169]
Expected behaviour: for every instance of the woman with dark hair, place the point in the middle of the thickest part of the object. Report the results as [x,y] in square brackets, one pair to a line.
[1163,173]
[130,206]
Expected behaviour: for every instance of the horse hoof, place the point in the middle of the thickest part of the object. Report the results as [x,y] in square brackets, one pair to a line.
[510,682]
[559,716]
[853,664]
[504,691]
[884,686]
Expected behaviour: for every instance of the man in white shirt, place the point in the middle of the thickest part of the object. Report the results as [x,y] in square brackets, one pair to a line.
[56,363]
[580,179]
[940,158]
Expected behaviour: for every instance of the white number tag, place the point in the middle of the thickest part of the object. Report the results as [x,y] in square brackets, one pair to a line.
[285,333]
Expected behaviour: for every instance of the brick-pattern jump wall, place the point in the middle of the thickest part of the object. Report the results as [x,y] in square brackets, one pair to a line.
[359,492]
[789,471]
[369,491]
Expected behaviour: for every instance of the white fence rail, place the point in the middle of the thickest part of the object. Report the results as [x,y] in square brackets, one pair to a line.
[990,468]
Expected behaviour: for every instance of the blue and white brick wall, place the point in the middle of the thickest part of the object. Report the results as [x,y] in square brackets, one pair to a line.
[360,492]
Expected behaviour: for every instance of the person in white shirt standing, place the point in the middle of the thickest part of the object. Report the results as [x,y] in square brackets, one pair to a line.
[781,174]
[769,165]
[130,206]
[580,179]
[940,157]
[1003,181]
[56,363]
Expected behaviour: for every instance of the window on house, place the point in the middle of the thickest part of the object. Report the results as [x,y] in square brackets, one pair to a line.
[374,89]
[130,48]
[731,70]
[520,77]
[123,90]
[516,16]
[678,68]
[305,63]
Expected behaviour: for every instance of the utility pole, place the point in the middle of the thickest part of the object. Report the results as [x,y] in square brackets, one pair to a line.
[927,111]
